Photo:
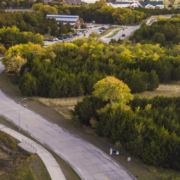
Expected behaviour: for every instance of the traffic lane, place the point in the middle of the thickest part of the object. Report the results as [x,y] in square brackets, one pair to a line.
[1,66]
[74,150]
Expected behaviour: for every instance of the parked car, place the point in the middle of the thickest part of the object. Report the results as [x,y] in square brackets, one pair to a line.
[50,40]
[60,38]
[79,33]
[74,34]
[97,32]
[64,37]
[55,39]
[123,35]
[69,36]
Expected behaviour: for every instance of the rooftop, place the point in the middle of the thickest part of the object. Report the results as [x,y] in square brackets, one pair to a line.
[154,3]
[62,16]
[66,19]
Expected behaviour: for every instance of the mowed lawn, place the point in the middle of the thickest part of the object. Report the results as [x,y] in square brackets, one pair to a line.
[52,109]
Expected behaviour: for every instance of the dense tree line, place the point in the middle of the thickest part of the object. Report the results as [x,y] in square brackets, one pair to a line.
[35,22]
[165,32]
[71,69]
[5,4]
[100,12]
[28,21]
[148,128]
[11,36]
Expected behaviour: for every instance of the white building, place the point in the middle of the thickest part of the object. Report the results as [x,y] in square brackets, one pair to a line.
[124,4]
[72,19]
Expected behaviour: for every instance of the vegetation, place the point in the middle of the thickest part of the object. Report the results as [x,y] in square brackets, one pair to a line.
[71,69]
[165,32]
[149,129]
[114,33]
[16,164]
[35,22]
[11,36]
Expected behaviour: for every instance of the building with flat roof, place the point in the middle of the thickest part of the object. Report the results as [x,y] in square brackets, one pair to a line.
[74,20]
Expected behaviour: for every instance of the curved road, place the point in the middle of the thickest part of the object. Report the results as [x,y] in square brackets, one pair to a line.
[130,29]
[89,162]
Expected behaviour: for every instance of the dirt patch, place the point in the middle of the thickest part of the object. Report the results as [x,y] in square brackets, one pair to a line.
[169,90]
[60,105]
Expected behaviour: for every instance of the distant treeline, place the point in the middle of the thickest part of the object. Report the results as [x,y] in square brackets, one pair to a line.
[71,69]
[148,128]
[35,22]
[166,32]
[100,12]
[28,21]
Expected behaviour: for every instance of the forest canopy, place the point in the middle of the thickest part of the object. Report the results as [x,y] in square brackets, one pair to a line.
[149,129]
[72,69]
[166,32]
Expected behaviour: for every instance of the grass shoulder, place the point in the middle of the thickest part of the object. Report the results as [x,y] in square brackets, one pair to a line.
[114,33]
[17,164]
[108,31]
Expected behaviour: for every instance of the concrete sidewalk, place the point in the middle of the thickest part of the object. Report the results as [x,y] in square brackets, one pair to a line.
[31,146]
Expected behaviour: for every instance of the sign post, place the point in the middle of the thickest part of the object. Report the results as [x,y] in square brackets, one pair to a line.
[128,160]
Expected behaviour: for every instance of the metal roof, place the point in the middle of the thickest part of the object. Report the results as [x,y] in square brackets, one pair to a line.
[153,3]
[62,16]
[120,3]
[66,19]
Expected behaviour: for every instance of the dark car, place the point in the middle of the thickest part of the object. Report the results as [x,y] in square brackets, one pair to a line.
[50,40]
[60,38]
[103,28]
[69,36]
[74,34]
[123,35]
[65,37]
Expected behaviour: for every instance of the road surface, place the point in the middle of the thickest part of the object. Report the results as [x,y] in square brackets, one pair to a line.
[89,162]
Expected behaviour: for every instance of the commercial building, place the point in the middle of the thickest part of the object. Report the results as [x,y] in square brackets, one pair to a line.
[74,20]
[135,4]
[151,4]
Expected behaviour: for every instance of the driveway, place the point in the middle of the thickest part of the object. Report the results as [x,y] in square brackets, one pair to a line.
[89,162]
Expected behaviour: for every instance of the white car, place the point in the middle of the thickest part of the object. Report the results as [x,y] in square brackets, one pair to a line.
[97,32]
[55,39]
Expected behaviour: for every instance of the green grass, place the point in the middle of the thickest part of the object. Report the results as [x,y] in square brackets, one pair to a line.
[137,168]
[19,164]
[114,33]
[107,31]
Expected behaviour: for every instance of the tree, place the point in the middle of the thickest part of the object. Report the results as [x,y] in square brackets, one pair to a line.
[153,81]
[113,90]
[36,7]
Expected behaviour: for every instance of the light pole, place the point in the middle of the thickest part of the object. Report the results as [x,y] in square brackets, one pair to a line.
[19,110]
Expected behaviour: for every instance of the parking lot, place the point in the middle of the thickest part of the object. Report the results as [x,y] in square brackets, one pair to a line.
[97,29]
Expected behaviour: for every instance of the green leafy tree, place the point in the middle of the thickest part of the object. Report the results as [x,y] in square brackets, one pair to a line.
[153,81]
[113,90]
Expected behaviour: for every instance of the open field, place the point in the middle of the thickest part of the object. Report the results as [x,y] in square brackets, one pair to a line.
[169,90]
[136,167]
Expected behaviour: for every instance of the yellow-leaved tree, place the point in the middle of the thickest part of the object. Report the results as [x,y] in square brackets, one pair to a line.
[113,90]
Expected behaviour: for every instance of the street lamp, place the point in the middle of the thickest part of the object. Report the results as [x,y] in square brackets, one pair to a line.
[20,109]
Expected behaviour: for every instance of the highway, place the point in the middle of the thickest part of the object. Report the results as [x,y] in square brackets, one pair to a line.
[89,162]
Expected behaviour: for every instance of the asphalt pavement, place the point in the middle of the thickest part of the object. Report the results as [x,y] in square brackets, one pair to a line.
[89,162]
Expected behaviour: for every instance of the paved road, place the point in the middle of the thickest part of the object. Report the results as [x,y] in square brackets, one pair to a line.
[130,29]
[89,162]
[51,165]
